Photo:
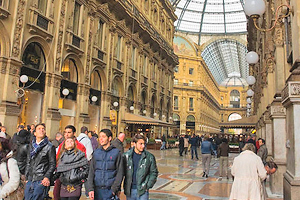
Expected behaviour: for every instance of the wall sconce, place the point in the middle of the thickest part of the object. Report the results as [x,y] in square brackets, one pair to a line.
[154,114]
[163,116]
[250,93]
[131,108]
[170,118]
[252,57]
[20,91]
[251,80]
[248,105]
[65,92]
[144,111]
[255,8]
[249,100]
[94,99]
[115,104]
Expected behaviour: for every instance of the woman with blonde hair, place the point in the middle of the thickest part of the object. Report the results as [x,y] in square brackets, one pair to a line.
[72,170]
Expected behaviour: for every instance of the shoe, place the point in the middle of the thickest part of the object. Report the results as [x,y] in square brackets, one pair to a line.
[206,176]
[203,174]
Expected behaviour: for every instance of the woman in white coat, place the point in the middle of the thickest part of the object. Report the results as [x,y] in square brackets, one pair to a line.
[248,171]
[9,175]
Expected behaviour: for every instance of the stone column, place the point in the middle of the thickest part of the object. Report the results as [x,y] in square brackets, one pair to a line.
[51,114]
[268,132]
[82,116]
[291,101]
[9,107]
[278,153]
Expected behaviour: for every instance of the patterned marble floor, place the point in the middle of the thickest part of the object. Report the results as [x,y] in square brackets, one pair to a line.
[180,178]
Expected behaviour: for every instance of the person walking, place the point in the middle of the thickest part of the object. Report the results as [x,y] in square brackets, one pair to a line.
[84,139]
[40,165]
[70,132]
[72,170]
[223,152]
[194,144]
[58,139]
[106,169]
[9,174]
[94,139]
[163,140]
[248,171]
[118,142]
[140,170]
[206,149]
[186,143]
[262,151]
[181,144]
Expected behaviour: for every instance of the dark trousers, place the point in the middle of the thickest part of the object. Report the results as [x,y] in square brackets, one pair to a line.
[35,190]
[194,150]
[56,190]
[181,150]
[185,150]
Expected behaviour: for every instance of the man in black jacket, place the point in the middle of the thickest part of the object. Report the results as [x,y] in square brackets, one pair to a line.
[40,165]
[181,144]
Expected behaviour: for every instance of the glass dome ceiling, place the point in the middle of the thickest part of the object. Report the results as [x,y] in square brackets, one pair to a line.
[210,16]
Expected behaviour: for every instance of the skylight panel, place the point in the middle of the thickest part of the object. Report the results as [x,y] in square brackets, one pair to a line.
[189,26]
[236,27]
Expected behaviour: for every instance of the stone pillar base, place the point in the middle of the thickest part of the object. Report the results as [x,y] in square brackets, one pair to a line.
[52,122]
[276,180]
[291,187]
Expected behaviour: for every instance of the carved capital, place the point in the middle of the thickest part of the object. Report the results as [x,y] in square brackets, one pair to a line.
[277,110]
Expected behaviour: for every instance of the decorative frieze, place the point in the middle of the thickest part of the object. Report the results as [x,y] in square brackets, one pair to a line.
[292,89]
[18,28]
[278,110]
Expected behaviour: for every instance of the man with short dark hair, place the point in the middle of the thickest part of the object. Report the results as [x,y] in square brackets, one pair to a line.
[106,169]
[262,151]
[40,165]
[140,170]
[84,139]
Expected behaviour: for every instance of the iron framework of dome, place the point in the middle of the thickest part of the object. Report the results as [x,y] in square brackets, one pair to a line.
[210,16]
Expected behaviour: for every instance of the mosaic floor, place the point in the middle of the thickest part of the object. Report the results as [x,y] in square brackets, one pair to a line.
[180,178]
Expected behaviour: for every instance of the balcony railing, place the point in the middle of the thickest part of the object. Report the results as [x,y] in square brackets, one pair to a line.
[191,109]
[133,73]
[76,41]
[145,80]
[154,85]
[4,13]
[175,107]
[100,55]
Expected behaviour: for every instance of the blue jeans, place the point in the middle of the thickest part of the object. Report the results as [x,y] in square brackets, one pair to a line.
[134,195]
[194,150]
[103,194]
[163,146]
[35,190]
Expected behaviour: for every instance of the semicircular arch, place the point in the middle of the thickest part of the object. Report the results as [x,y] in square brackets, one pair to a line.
[78,64]
[102,76]
[4,41]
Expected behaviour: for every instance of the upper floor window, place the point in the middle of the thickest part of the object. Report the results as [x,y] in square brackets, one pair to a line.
[175,81]
[100,33]
[42,6]
[191,83]
[133,58]
[234,99]
[96,80]
[154,71]
[175,102]
[145,65]
[69,70]
[119,47]
[76,18]
[34,57]
[191,104]
[191,71]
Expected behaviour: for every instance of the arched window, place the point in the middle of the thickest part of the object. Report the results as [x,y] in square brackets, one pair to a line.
[234,116]
[190,118]
[176,119]
[96,82]
[69,70]
[33,57]
[234,99]
[115,88]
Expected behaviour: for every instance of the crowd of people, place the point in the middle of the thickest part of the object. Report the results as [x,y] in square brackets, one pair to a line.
[249,169]
[31,163]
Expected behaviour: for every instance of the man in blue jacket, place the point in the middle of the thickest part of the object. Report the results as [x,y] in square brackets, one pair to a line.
[206,149]
[106,169]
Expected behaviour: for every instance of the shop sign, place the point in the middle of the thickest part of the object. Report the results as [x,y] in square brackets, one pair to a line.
[113,115]
[71,86]
[36,79]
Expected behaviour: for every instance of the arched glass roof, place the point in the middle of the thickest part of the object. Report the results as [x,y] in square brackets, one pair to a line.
[226,59]
[210,16]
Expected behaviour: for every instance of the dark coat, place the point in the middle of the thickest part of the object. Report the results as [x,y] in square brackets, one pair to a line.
[118,144]
[181,142]
[106,169]
[72,168]
[223,149]
[42,165]
[146,173]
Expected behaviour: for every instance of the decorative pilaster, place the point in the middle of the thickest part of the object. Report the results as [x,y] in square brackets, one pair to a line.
[291,101]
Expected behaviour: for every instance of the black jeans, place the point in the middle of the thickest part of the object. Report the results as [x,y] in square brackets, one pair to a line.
[69,198]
